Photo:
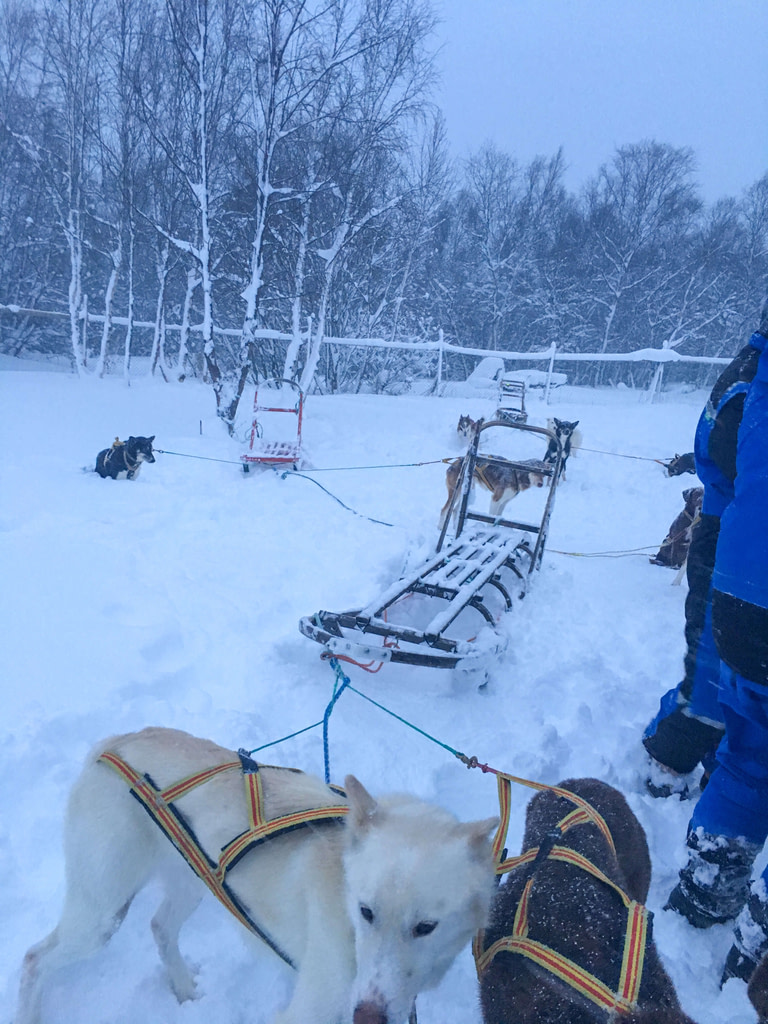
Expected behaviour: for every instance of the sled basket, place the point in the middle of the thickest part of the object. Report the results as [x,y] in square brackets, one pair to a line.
[464,587]
[290,402]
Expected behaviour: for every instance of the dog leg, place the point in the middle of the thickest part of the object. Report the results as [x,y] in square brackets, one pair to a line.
[183,893]
[443,513]
[83,930]
[499,500]
[110,850]
[327,965]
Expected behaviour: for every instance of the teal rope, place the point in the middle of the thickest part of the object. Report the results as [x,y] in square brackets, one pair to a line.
[348,686]
[341,683]
[203,458]
[445,746]
[284,738]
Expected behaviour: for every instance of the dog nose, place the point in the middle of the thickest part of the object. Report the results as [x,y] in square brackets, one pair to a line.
[369,1013]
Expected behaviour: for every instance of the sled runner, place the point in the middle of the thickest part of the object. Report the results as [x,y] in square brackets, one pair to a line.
[444,614]
[282,397]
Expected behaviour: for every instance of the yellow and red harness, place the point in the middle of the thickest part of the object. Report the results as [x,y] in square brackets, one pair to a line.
[160,805]
[636,933]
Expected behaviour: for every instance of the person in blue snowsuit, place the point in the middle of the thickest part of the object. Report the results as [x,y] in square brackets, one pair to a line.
[688,725]
[729,825]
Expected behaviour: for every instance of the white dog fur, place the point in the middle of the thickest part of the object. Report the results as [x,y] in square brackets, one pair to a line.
[371,913]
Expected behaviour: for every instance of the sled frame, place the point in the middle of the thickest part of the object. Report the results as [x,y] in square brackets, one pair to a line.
[274,453]
[511,406]
[484,555]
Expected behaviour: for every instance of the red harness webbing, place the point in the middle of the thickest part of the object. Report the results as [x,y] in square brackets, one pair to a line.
[158,803]
[635,937]
[584,813]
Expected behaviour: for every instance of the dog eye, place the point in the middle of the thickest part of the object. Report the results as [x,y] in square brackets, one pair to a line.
[424,928]
[366,913]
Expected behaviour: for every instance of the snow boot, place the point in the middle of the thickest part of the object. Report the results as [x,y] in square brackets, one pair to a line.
[750,936]
[713,885]
[664,782]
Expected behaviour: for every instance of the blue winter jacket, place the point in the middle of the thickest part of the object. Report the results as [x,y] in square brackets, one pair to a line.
[741,565]
[716,431]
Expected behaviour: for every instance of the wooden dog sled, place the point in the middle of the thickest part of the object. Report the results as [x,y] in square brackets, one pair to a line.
[511,405]
[281,397]
[445,613]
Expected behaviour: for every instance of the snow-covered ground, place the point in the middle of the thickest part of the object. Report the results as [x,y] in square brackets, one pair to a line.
[174,600]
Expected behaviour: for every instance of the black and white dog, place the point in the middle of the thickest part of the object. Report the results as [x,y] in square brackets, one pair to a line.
[569,437]
[123,460]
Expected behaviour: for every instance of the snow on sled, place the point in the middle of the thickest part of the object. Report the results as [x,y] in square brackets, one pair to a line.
[445,613]
[512,400]
[273,401]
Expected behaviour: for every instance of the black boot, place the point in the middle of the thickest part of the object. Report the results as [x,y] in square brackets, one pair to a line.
[713,884]
[664,782]
[750,938]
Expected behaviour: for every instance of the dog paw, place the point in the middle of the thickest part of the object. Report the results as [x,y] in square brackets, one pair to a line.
[185,989]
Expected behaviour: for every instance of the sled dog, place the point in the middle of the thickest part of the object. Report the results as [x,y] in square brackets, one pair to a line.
[370,909]
[123,460]
[757,990]
[504,482]
[467,426]
[569,437]
[574,914]
[685,463]
[674,548]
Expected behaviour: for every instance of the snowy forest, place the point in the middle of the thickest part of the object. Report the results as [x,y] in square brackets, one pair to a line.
[217,186]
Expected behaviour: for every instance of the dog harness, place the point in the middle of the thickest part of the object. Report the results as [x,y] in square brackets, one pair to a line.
[160,805]
[636,934]
[117,445]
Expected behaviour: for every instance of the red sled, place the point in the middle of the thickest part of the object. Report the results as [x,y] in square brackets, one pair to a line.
[266,452]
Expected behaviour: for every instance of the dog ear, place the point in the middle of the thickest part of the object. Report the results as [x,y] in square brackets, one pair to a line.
[362,806]
[151,438]
[575,424]
[478,836]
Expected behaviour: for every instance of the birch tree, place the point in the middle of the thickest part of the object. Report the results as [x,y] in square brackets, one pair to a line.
[189,118]
[72,33]
[381,94]
[296,50]
[641,198]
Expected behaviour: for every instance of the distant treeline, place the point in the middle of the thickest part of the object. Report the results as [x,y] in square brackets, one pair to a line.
[279,164]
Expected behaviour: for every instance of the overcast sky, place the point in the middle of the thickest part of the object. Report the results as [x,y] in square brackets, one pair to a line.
[591,75]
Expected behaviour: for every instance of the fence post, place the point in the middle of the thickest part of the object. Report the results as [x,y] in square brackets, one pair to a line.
[439,381]
[552,350]
[84,332]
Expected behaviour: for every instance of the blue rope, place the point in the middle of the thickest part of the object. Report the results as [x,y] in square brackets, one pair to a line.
[337,692]
[341,683]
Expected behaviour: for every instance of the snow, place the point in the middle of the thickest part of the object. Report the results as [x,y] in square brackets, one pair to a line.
[174,600]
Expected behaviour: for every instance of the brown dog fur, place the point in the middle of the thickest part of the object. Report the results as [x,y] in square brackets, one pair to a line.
[467,426]
[757,990]
[577,915]
[503,481]
[674,548]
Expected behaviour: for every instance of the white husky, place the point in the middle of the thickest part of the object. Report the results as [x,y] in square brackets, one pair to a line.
[369,913]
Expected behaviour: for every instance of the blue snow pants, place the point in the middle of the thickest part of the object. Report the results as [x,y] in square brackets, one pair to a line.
[688,725]
[735,802]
